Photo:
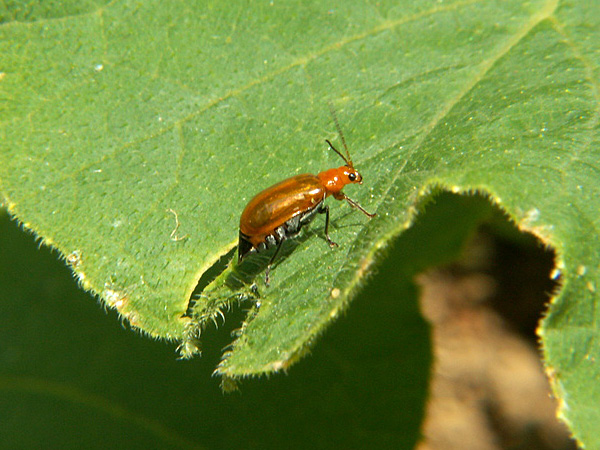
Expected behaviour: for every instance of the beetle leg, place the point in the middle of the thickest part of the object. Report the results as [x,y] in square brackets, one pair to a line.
[325,209]
[271,261]
[342,196]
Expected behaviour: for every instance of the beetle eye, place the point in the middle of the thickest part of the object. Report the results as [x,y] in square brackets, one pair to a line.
[352,176]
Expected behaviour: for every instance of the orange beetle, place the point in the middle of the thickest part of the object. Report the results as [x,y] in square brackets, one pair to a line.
[280,211]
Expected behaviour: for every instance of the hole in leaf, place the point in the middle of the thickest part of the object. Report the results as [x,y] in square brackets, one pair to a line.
[484,309]
[522,267]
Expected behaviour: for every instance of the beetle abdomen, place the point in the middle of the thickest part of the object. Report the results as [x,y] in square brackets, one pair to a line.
[248,244]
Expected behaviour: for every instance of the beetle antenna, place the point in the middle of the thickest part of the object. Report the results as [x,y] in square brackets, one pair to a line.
[349,163]
[339,130]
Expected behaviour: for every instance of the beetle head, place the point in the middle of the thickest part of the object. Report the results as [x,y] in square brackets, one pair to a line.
[352,175]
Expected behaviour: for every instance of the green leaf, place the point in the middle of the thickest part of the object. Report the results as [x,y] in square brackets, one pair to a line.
[119,119]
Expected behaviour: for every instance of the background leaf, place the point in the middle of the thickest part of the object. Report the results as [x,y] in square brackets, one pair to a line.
[69,373]
[116,114]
